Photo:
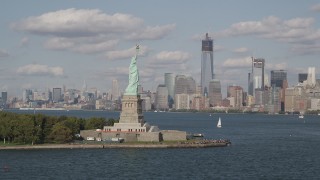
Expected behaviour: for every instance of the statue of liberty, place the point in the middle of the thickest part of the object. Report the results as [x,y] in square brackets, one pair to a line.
[132,88]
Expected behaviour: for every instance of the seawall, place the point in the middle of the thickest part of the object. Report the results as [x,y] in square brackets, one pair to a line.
[115,145]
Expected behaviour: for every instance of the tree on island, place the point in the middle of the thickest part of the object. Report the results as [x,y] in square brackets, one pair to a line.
[39,128]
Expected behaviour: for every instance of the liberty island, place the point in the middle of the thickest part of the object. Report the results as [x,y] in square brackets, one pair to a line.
[130,128]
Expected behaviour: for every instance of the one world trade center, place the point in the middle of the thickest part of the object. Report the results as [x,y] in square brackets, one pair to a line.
[206,64]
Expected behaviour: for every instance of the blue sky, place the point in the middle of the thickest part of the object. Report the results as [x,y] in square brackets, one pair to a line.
[46,44]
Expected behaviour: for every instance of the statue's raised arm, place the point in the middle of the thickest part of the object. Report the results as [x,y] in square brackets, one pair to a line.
[132,88]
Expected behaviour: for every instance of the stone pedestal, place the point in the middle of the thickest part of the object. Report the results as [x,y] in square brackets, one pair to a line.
[131,110]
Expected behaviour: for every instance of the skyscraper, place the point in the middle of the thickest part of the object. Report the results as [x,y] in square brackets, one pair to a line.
[311,79]
[162,97]
[237,93]
[278,77]
[115,90]
[184,85]
[278,84]
[215,96]
[302,77]
[256,77]
[207,73]
[169,83]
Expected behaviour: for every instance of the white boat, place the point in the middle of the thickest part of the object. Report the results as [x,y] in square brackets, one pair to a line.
[219,123]
[301,116]
[198,135]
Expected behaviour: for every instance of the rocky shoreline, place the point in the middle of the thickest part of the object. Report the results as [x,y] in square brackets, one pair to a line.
[200,144]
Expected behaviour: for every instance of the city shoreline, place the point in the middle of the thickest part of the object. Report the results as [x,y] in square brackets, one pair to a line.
[116,145]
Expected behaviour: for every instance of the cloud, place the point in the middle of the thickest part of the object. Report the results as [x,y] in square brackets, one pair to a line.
[304,49]
[151,33]
[315,8]
[270,27]
[278,66]
[78,45]
[218,48]
[3,53]
[293,31]
[176,60]
[241,50]
[40,70]
[244,62]
[77,22]
[89,30]
[173,56]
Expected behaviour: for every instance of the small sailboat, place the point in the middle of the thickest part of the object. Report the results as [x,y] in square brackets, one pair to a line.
[219,123]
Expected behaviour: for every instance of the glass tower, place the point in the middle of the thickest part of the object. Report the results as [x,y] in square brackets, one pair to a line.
[206,64]
[278,77]
[257,76]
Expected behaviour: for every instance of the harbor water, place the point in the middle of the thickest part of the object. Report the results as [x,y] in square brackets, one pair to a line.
[263,147]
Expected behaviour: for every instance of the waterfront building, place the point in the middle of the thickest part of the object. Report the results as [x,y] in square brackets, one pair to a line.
[226,102]
[215,96]
[231,101]
[274,105]
[169,81]
[237,93]
[182,101]
[207,71]
[162,97]
[315,104]
[56,94]
[200,103]
[259,97]
[250,100]
[295,99]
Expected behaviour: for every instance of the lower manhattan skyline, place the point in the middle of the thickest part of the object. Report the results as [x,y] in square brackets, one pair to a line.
[64,43]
